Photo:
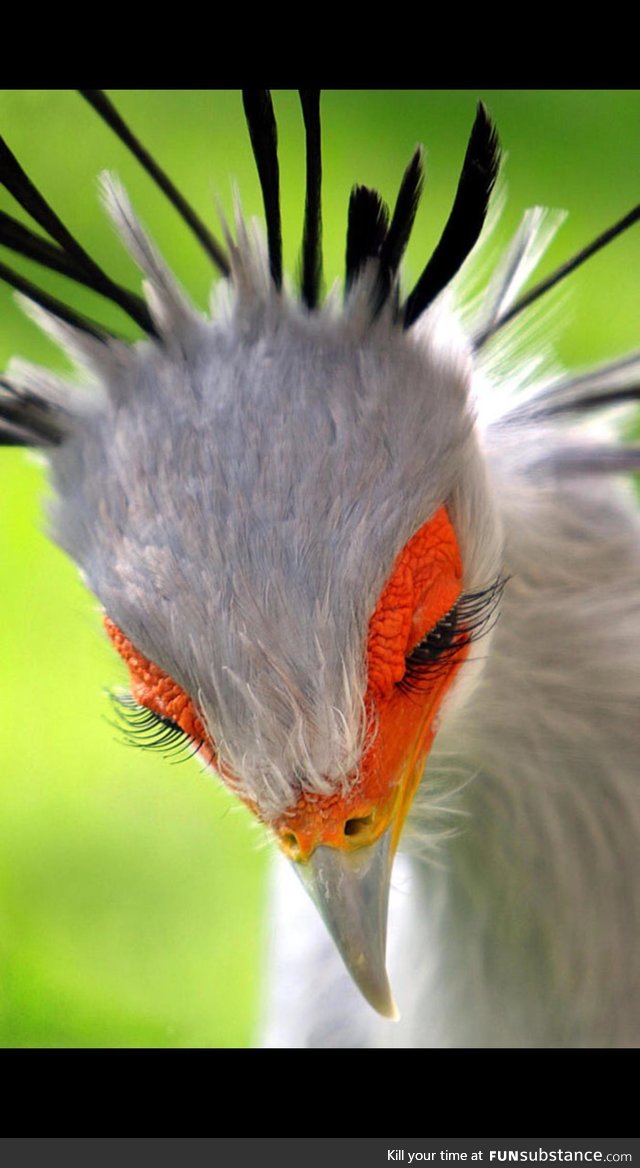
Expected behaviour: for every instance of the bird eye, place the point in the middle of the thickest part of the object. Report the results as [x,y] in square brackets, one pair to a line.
[439,639]
[432,656]
[141,726]
[471,617]
[145,719]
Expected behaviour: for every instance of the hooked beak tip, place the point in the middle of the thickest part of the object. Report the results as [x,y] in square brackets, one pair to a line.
[388,1008]
[372,980]
[394,1014]
[373,983]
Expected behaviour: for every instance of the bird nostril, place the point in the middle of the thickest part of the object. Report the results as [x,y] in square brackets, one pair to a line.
[290,844]
[358,825]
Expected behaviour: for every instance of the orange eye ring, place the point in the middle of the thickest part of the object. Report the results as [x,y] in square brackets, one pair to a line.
[424,585]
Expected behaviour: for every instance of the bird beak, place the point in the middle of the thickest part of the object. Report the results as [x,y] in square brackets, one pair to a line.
[348,875]
[351,892]
[343,848]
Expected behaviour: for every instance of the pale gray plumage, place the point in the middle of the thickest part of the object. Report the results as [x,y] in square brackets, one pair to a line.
[236,496]
[528,910]
[252,585]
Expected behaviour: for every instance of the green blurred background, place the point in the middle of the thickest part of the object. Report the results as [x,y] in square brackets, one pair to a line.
[133,906]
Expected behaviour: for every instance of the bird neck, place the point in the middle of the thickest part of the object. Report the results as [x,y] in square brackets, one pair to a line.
[537,906]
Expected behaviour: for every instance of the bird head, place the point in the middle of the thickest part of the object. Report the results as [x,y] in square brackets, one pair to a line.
[284,513]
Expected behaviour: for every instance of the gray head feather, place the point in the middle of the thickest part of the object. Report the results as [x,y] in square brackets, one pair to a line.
[237,492]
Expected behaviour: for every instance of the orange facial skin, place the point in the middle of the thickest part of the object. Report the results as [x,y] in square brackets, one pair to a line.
[424,585]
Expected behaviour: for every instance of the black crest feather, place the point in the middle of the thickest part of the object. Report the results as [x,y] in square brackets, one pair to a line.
[68,257]
[397,237]
[561,273]
[109,114]
[20,239]
[52,304]
[404,212]
[312,236]
[26,419]
[263,132]
[477,178]
[366,230]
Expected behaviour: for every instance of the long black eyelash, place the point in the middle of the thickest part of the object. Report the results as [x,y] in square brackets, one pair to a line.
[141,726]
[472,616]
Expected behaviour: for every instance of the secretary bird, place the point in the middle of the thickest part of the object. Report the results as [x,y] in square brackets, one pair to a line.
[374,588]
